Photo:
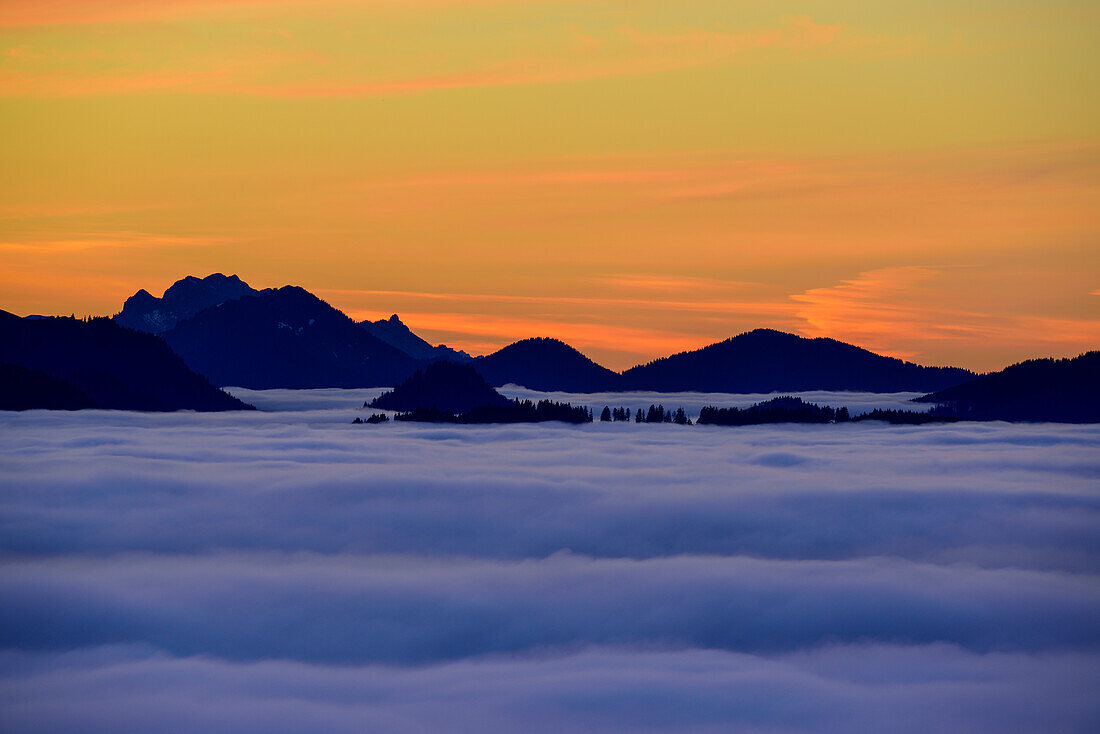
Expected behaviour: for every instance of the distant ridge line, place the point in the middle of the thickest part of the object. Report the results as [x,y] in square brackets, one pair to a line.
[279,340]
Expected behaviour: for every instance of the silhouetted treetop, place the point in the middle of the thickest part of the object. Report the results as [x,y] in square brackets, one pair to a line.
[908,417]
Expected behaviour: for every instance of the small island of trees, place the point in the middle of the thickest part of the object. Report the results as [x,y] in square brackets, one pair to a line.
[785,409]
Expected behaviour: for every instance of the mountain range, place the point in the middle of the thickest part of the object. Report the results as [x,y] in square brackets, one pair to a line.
[219,331]
[287,337]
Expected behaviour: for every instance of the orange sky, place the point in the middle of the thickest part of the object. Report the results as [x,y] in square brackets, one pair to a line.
[636,178]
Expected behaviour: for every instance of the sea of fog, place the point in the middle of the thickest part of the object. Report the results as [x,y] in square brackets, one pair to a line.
[285,571]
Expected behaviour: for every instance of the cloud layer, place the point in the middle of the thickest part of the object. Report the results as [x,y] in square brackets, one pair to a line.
[833,689]
[293,572]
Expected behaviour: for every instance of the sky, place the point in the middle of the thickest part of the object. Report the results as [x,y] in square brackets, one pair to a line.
[290,572]
[636,178]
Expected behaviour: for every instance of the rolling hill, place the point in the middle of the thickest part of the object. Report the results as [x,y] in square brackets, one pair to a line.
[546,364]
[766,361]
[1058,390]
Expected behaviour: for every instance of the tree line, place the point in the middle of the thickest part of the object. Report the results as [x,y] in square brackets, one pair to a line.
[785,409]
[655,414]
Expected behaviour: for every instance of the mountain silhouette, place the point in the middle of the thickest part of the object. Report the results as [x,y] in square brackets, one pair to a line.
[441,386]
[22,388]
[765,361]
[69,363]
[546,364]
[236,335]
[396,334]
[1058,390]
[185,298]
[285,338]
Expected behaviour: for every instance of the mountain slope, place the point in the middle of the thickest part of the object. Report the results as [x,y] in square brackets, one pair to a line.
[546,364]
[765,361]
[396,334]
[68,363]
[285,338]
[445,386]
[22,388]
[1062,390]
[184,299]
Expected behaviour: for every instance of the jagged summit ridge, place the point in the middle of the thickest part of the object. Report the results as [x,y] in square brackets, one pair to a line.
[395,333]
[183,299]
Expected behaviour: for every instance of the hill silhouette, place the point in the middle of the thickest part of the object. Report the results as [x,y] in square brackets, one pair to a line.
[397,334]
[22,388]
[546,364]
[765,360]
[1059,390]
[443,387]
[69,363]
[285,338]
[185,298]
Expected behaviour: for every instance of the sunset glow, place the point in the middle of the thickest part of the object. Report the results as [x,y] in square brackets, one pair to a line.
[635,178]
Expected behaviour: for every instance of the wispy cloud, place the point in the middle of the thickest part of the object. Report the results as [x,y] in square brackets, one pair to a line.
[684,284]
[285,66]
[116,240]
[15,13]
[474,322]
[894,311]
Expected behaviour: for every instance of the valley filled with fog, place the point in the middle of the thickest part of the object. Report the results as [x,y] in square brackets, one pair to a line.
[295,572]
